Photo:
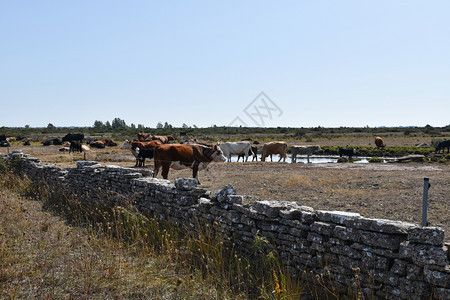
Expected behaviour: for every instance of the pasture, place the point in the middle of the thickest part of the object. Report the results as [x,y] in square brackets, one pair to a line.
[384,190]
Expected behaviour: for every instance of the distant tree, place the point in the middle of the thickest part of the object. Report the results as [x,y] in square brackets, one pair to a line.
[167,126]
[118,124]
[159,125]
[50,126]
[132,126]
[141,127]
[98,124]
[108,125]
[185,126]
[195,126]
[27,126]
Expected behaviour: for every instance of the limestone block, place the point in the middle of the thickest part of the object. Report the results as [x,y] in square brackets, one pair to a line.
[388,241]
[337,217]
[186,184]
[380,225]
[346,233]
[422,254]
[322,228]
[426,235]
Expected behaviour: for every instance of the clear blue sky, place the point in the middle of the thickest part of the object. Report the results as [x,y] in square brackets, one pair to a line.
[321,63]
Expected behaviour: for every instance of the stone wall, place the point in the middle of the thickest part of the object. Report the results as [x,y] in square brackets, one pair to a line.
[387,259]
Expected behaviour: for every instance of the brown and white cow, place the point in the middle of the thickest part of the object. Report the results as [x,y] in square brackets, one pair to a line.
[274,148]
[142,137]
[182,156]
[132,145]
[379,142]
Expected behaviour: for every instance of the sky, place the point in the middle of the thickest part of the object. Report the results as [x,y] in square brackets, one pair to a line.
[250,63]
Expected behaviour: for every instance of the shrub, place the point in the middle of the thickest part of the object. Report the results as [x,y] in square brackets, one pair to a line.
[375,160]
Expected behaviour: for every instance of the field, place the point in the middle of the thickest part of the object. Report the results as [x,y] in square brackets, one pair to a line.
[384,190]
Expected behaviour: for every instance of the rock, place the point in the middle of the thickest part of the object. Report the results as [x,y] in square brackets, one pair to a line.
[186,184]
[426,235]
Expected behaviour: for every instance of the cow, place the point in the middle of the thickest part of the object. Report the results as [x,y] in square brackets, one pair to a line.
[132,145]
[143,154]
[73,137]
[379,142]
[303,150]
[142,137]
[5,143]
[253,151]
[180,156]
[195,142]
[102,143]
[97,144]
[55,141]
[274,148]
[347,152]
[235,148]
[165,139]
[75,146]
[442,145]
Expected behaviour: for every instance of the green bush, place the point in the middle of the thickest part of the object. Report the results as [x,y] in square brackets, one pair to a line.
[375,160]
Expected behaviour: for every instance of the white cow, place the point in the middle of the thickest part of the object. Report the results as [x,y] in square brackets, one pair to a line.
[235,148]
[303,150]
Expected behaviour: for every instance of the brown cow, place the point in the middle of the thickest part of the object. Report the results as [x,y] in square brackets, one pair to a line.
[143,136]
[102,143]
[165,139]
[274,148]
[182,156]
[379,142]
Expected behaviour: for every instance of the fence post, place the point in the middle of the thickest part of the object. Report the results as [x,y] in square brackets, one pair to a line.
[426,186]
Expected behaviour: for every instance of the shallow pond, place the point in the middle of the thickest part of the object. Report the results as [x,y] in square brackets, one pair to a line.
[315,159]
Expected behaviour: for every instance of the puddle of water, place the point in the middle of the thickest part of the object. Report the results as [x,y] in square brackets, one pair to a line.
[314,159]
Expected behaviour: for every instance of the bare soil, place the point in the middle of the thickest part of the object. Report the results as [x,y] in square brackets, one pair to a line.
[389,191]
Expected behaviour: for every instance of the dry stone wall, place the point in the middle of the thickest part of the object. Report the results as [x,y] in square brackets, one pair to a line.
[385,259]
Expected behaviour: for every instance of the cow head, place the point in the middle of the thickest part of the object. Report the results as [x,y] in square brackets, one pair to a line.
[217,154]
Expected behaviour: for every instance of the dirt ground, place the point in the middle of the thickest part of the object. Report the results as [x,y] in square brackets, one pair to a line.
[389,190]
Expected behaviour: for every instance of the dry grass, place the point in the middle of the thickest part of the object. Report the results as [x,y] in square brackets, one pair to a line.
[43,257]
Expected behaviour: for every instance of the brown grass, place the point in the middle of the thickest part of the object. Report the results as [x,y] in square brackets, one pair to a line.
[42,257]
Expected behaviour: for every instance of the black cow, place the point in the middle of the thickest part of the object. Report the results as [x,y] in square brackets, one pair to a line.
[347,152]
[73,137]
[75,146]
[55,141]
[143,154]
[2,137]
[442,145]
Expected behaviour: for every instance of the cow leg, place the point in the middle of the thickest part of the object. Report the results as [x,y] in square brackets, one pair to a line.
[156,169]
[165,170]
[195,172]
[246,157]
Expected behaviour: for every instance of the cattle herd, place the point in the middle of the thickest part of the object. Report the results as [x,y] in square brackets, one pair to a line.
[196,155]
